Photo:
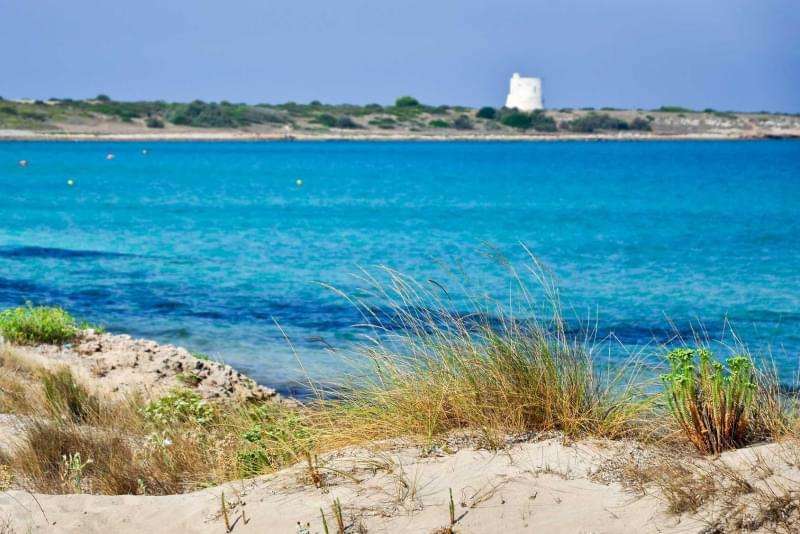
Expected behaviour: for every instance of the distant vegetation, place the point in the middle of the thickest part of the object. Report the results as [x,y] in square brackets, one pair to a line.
[592,122]
[406,102]
[331,121]
[537,120]
[486,112]
[674,109]
[406,114]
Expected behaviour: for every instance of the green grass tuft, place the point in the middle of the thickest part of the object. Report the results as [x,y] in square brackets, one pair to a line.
[66,398]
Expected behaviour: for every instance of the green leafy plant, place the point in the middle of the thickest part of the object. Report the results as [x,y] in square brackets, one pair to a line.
[30,325]
[71,471]
[189,379]
[180,406]
[200,355]
[274,441]
[710,403]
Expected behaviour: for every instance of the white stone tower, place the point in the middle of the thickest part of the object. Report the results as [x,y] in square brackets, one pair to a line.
[525,94]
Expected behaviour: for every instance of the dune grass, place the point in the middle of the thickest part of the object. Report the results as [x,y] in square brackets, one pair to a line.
[31,325]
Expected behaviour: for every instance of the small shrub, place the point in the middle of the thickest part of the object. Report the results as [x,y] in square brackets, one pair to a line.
[325,119]
[273,441]
[439,123]
[180,406]
[346,122]
[592,122]
[406,102]
[674,109]
[486,112]
[189,379]
[462,122]
[387,123]
[517,119]
[641,124]
[710,405]
[31,325]
[103,98]
[541,122]
[200,355]
[154,122]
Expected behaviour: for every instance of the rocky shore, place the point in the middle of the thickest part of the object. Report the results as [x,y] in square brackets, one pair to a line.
[120,364]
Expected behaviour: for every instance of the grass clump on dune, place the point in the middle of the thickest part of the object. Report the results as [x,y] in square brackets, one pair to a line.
[434,371]
[66,398]
[31,325]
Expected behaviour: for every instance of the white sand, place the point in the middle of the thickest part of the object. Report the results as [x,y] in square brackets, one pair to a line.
[531,487]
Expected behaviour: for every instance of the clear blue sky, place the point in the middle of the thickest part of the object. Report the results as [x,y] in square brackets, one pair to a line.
[726,54]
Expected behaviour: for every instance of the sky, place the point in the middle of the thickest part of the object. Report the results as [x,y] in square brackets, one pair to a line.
[723,54]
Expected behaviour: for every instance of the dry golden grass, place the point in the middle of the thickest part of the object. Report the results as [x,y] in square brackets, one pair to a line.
[729,494]
[435,371]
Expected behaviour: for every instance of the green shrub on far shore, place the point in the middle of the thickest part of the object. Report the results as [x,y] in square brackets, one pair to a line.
[516,119]
[592,122]
[675,109]
[462,122]
[710,405]
[538,120]
[486,112]
[154,122]
[331,121]
[31,325]
[406,102]
[541,122]
[439,123]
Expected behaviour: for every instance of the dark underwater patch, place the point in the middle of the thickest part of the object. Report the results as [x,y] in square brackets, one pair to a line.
[27,252]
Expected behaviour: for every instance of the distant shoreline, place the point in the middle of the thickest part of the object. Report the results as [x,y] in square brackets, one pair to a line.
[11,135]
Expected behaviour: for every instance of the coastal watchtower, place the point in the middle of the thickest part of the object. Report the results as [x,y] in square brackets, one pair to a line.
[525,94]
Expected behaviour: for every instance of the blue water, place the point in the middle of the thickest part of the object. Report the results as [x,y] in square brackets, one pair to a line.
[212,245]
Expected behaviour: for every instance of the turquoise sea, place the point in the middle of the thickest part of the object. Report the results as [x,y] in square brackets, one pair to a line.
[214,246]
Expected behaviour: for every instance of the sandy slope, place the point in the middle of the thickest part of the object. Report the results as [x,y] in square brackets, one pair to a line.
[531,487]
